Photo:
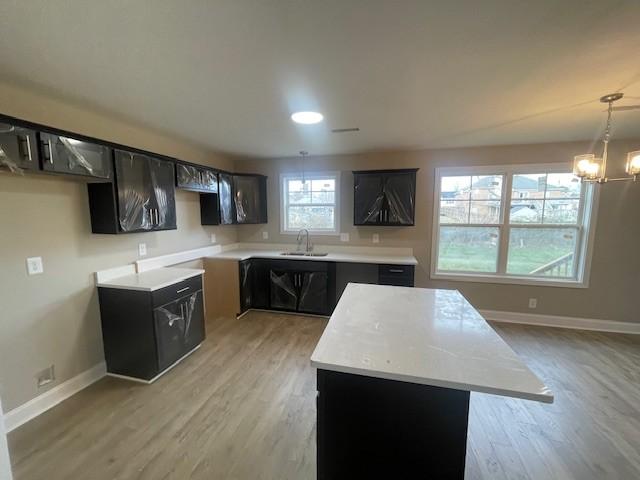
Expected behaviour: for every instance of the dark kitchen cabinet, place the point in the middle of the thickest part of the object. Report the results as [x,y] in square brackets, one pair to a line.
[18,148]
[254,284]
[397,275]
[384,197]
[226,199]
[66,155]
[141,199]
[300,286]
[250,198]
[196,179]
[243,198]
[145,333]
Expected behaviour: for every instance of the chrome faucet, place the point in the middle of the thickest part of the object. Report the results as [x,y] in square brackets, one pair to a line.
[299,240]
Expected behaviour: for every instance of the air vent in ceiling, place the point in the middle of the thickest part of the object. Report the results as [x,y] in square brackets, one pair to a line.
[345,130]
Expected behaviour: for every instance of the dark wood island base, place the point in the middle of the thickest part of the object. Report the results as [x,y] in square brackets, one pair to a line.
[373,428]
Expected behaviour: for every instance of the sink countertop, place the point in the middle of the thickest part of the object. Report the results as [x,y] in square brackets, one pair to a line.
[424,336]
[339,257]
[152,279]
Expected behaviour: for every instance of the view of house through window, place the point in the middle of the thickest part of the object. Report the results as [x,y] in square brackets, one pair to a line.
[514,222]
[310,202]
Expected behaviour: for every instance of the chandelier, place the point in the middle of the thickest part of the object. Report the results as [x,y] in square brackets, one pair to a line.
[594,169]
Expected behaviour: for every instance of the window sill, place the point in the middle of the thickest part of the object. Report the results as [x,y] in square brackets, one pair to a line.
[538,282]
[311,232]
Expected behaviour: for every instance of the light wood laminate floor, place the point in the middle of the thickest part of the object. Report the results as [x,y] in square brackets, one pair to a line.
[243,407]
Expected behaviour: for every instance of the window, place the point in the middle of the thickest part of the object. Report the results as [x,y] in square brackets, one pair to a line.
[516,224]
[311,202]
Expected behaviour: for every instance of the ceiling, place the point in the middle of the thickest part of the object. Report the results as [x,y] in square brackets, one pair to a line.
[410,74]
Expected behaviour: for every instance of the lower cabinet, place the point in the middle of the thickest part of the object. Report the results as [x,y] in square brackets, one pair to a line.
[144,333]
[309,286]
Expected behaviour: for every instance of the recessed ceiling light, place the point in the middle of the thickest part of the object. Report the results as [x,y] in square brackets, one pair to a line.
[307,118]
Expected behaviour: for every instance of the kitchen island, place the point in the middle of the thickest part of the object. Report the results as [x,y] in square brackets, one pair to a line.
[396,366]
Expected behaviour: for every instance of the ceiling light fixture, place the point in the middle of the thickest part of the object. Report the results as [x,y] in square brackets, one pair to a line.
[594,169]
[307,118]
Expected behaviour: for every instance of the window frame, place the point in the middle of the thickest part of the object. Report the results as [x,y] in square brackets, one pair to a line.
[284,177]
[585,226]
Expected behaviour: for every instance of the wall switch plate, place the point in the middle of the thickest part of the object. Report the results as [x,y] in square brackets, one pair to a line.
[34,265]
[142,249]
[45,376]
[213,238]
[344,237]
[265,235]
[533,302]
[375,238]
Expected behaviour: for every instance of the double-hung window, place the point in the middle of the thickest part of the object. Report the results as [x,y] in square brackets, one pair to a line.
[515,224]
[310,201]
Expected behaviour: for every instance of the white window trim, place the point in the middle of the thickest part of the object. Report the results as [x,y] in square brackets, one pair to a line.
[584,250]
[310,176]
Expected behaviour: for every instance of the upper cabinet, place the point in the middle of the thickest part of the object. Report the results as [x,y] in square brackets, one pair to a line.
[384,197]
[243,198]
[196,179]
[18,148]
[250,198]
[141,199]
[68,155]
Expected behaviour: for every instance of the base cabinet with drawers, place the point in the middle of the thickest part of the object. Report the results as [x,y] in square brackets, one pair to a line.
[145,333]
[307,286]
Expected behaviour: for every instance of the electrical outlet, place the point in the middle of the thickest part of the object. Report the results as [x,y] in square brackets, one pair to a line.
[213,238]
[45,376]
[375,238]
[34,266]
[533,302]
[344,237]
[142,249]
[265,235]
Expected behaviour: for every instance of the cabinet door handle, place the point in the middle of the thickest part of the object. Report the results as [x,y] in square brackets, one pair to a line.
[50,151]
[28,147]
[182,290]
[396,270]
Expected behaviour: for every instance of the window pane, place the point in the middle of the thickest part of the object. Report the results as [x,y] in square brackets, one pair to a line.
[297,186]
[299,197]
[316,218]
[327,185]
[526,211]
[485,212]
[486,187]
[548,252]
[455,188]
[561,211]
[454,211]
[529,186]
[468,249]
[322,197]
[563,185]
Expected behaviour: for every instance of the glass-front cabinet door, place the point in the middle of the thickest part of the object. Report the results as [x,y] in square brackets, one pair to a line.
[399,192]
[71,156]
[18,148]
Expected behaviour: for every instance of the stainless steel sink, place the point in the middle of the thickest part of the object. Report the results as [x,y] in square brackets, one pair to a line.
[305,254]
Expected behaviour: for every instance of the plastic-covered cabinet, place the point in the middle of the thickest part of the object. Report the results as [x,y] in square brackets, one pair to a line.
[18,148]
[250,198]
[196,179]
[314,293]
[226,199]
[71,156]
[284,290]
[384,197]
[141,199]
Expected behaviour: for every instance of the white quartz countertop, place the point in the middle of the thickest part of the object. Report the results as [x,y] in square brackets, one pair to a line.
[339,257]
[152,279]
[425,336]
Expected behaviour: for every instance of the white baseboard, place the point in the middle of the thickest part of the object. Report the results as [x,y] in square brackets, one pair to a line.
[562,322]
[49,399]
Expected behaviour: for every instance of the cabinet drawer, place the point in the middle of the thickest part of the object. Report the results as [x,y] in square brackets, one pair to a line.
[399,275]
[177,290]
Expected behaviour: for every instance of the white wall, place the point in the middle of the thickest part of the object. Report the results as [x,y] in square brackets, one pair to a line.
[5,465]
